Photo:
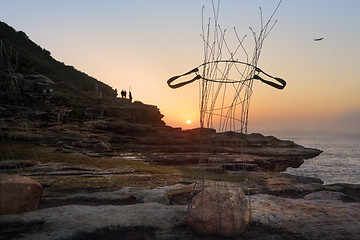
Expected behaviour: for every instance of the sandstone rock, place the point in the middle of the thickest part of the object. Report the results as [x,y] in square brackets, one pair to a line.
[273,217]
[328,196]
[352,190]
[281,184]
[15,164]
[18,194]
[323,218]
[128,195]
[148,134]
[180,194]
[75,221]
[219,211]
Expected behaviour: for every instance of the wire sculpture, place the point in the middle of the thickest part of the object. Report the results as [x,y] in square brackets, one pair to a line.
[219,205]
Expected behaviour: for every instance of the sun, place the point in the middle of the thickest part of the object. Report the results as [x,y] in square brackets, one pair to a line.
[188,122]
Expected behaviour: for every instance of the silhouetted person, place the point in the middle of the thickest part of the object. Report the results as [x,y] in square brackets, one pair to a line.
[123,93]
[130,96]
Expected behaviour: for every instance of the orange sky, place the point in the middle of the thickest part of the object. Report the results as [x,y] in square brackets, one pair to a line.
[140,44]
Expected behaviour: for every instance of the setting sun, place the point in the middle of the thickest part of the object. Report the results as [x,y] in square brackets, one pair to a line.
[188,122]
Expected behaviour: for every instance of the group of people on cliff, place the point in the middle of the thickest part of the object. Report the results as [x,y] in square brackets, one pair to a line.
[124,93]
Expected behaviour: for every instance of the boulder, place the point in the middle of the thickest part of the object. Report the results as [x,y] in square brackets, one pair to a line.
[219,211]
[18,194]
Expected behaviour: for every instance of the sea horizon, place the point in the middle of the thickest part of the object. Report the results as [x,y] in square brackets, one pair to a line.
[338,163]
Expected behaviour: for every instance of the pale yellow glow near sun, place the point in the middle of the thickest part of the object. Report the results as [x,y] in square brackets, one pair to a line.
[188,122]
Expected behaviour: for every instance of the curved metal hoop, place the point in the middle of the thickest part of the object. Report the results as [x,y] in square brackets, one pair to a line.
[256,76]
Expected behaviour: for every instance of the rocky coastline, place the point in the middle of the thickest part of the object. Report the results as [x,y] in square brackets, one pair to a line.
[284,207]
[120,176]
[76,162]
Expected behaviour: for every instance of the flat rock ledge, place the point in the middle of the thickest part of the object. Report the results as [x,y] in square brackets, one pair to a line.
[318,215]
[166,145]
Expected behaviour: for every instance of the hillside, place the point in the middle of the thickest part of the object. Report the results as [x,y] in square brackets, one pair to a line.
[36,87]
[22,55]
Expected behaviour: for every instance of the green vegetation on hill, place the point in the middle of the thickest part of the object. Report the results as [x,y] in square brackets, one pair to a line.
[29,58]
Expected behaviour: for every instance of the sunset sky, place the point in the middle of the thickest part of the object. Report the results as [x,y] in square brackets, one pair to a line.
[139,44]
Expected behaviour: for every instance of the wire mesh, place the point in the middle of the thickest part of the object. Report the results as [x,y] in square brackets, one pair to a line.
[219,205]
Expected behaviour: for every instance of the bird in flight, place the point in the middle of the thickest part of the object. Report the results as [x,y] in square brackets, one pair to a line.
[318,39]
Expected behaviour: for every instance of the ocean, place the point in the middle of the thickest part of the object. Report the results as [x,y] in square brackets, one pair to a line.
[339,162]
